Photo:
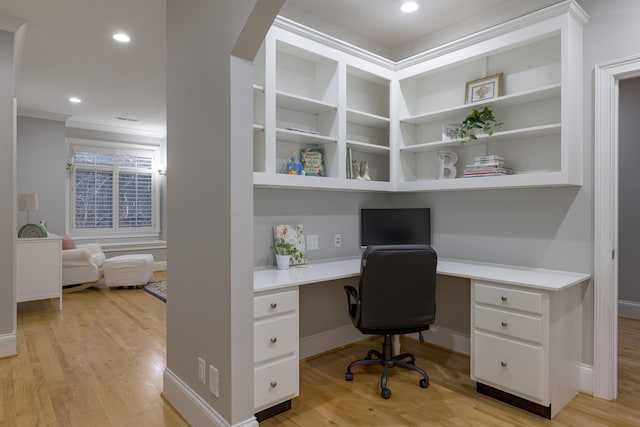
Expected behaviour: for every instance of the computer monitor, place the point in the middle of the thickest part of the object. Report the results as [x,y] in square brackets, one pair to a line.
[395,226]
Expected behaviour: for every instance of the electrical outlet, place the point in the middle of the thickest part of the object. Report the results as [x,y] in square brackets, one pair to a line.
[337,240]
[312,242]
[214,386]
[202,370]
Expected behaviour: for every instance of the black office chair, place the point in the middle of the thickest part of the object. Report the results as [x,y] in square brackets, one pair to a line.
[396,296]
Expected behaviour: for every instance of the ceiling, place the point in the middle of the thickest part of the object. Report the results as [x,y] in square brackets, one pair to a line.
[69,50]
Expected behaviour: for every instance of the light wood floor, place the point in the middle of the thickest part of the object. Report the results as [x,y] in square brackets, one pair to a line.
[99,362]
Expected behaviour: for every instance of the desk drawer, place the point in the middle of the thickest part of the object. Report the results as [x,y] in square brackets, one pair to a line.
[273,338]
[508,323]
[275,383]
[514,367]
[507,297]
[272,304]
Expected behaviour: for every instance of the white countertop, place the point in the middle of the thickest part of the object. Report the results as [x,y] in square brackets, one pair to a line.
[550,280]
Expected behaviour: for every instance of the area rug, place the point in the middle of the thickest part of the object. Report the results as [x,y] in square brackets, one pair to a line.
[157,289]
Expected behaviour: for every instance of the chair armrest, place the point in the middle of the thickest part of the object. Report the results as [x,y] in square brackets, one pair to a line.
[74,256]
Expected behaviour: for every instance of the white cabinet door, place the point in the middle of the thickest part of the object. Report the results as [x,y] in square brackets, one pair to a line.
[39,269]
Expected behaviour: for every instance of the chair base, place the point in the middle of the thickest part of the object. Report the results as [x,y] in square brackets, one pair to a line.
[387,360]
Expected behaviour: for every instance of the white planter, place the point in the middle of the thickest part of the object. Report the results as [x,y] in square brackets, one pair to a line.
[283,261]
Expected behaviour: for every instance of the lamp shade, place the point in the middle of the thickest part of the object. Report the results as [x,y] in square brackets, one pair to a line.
[28,202]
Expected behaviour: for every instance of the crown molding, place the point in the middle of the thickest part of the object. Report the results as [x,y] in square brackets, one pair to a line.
[333,42]
[114,129]
[46,115]
[568,6]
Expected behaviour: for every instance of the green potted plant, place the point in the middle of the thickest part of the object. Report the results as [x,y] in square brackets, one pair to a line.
[483,120]
[284,252]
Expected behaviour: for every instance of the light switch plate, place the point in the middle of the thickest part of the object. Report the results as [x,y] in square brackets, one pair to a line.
[312,242]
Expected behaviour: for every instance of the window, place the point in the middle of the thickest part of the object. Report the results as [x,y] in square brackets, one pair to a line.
[113,190]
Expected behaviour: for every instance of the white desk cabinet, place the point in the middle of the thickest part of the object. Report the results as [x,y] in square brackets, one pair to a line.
[275,351]
[39,269]
[526,344]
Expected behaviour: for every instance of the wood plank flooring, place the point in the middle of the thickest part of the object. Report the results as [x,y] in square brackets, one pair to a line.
[99,362]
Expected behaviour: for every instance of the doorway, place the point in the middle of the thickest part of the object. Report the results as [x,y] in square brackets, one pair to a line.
[606,211]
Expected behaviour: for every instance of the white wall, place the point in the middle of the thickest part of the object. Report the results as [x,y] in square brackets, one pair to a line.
[629,205]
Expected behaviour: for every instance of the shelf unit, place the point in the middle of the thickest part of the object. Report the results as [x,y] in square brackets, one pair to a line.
[311,90]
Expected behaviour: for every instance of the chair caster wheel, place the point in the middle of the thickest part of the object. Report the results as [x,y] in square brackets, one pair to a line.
[348,376]
[424,383]
[385,393]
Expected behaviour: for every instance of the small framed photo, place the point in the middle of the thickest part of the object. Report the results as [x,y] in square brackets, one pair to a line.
[482,89]
[449,132]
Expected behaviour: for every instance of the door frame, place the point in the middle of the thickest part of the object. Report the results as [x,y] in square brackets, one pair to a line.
[605,273]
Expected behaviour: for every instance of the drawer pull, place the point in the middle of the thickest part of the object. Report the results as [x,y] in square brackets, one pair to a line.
[503,363]
[273,384]
[274,305]
[274,339]
[504,324]
[503,298]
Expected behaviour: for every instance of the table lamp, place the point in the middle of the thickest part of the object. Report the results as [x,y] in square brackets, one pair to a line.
[27,202]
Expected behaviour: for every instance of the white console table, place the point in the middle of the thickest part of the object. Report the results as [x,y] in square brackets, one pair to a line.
[525,331]
[39,268]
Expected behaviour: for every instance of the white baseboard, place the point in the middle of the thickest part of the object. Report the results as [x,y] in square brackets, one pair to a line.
[160,266]
[328,340]
[630,309]
[586,379]
[8,345]
[192,407]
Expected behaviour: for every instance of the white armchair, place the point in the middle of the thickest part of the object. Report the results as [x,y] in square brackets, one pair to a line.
[82,266]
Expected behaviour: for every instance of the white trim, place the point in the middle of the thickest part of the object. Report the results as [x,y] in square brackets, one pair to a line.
[192,407]
[630,309]
[8,345]
[586,379]
[46,115]
[329,340]
[115,129]
[160,266]
[605,274]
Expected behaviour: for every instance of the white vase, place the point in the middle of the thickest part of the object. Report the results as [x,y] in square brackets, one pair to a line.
[283,261]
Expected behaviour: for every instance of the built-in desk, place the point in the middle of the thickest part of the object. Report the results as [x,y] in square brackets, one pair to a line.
[525,330]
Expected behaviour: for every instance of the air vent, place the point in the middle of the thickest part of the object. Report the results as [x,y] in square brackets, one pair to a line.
[127,119]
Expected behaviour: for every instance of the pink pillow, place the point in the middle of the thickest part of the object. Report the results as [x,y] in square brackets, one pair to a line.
[67,242]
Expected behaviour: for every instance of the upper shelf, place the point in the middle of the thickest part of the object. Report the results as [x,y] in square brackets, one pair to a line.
[367,119]
[539,94]
[302,103]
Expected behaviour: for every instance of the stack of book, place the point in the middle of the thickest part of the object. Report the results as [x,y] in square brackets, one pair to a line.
[492,165]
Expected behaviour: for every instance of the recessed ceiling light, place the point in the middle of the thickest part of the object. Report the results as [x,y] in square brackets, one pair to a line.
[75,100]
[409,6]
[121,37]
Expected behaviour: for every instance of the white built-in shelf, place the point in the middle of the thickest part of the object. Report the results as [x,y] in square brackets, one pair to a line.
[367,119]
[538,94]
[281,180]
[531,132]
[302,103]
[258,88]
[303,137]
[518,180]
[368,148]
[258,127]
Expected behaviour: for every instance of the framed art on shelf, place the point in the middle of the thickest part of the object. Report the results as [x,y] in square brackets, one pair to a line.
[288,239]
[483,89]
[449,132]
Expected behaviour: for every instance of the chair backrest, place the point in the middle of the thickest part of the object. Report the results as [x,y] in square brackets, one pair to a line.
[397,289]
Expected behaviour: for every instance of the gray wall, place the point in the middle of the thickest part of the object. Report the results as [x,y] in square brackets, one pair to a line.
[7,187]
[41,161]
[629,196]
